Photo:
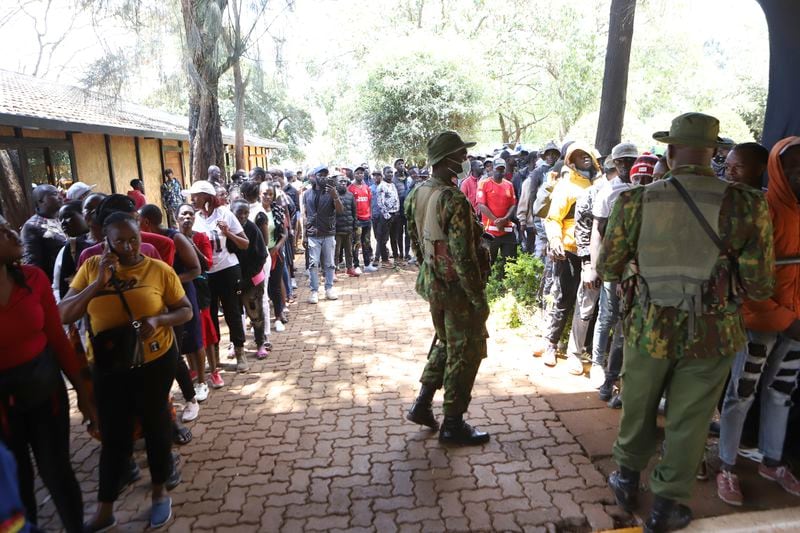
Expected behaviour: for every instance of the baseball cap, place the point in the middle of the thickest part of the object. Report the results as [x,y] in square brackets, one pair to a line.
[78,190]
[624,150]
[499,162]
[645,165]
[319,169]
[202,187]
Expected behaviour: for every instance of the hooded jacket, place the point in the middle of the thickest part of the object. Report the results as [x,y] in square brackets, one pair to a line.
[778,312]
[560,221]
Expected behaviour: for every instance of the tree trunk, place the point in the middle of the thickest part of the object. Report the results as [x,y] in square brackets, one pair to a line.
[206,143]
[239,87]
[503,130]
[615,78]
[783,115]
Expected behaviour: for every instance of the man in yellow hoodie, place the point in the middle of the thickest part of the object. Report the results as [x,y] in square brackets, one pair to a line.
[560,228]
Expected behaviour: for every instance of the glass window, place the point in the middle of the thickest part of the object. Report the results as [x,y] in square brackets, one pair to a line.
[37,167]
[62,170]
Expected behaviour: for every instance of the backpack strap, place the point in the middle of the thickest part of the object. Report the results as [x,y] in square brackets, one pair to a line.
[698,215]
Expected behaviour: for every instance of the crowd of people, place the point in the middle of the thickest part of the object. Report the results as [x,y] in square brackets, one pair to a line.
[124,297]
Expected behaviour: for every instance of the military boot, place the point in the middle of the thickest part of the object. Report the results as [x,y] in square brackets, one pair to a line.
[241,359]
[456,431]
[421,411]
[667,515]
[624,483]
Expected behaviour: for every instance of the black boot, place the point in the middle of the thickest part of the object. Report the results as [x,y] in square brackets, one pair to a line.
[606,390]
[624,483]
[456,431]
[667,515]
[421,411]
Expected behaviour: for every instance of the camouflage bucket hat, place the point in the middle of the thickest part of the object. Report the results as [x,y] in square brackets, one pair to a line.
[444,144]
[692,129]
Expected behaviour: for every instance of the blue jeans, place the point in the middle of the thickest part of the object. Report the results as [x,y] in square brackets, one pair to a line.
[321,248]
[607,318]
[774,360]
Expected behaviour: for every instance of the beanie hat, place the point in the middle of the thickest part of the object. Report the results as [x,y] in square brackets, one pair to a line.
[645,164]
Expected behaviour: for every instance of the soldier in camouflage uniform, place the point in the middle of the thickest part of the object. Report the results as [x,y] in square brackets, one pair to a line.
[682,328]
[447,239]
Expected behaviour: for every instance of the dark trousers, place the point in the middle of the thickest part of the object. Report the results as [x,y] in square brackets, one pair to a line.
[382,228]
[253,303]
[504,246]
[123,397]
[183,377]
[363,242]
[44,429]
[568,276]
[403,238]
[344,244]
[274,286]
[225,287]
[396,236]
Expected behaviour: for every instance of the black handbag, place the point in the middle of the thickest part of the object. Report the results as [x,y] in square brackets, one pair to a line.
[121,348]
[30,384]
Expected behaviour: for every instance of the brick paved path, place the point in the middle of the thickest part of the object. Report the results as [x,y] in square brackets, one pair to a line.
[314,437]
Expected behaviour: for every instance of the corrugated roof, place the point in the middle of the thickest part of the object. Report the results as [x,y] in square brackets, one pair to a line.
[29,102]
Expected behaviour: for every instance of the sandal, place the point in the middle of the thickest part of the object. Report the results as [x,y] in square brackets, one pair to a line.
[181,435]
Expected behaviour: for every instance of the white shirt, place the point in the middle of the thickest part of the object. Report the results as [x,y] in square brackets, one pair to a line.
[607,197]
[222,257]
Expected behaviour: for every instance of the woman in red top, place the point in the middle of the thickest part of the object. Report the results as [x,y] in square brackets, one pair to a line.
[34,408]
[202,246]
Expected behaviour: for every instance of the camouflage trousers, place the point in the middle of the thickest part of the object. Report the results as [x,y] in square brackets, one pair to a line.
[455,357]
[692,387]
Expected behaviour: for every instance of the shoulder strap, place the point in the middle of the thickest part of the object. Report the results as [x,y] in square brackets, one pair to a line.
[697,214]
[118,290]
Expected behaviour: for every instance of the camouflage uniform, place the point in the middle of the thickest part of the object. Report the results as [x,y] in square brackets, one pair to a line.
[660,354]
[453,285]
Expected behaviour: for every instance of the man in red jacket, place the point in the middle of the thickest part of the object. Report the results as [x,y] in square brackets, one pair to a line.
[772,355]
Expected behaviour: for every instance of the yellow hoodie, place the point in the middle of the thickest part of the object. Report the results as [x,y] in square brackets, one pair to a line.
[560,221]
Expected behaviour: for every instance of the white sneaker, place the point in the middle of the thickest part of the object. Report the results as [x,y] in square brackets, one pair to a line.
[294,283]
[200,392]
[330,294]
[597,376]
[313,297]
[359,271]
[190,411]
[279,325]
[370,269]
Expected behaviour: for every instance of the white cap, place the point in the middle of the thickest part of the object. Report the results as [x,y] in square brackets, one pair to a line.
[78,190]
[499,162]
[202,186]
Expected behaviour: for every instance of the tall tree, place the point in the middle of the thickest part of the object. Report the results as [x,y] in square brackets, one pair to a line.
[615,78]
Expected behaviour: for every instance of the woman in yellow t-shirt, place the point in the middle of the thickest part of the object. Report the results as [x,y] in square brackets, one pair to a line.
[156,299]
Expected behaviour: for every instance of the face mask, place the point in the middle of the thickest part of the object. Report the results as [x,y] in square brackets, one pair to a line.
[466,168]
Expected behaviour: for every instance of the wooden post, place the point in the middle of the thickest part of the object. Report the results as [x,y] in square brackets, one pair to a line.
[73,164]
[110,161]
[138,158]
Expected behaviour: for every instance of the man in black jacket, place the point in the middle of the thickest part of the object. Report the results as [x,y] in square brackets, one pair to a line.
[345,225]
[321,203]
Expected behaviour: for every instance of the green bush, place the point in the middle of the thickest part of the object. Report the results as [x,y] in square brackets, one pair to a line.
[507,311]
[523,275]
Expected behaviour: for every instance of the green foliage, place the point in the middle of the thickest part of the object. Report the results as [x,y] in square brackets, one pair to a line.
[507,311]
[400,114]
[523,275]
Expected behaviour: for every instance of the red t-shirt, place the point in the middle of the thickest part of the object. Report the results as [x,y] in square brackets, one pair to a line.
[30,321]
[498,197]
[138,198]
[363,197]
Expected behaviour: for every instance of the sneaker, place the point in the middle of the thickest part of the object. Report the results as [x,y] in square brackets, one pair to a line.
[606,390]
[313,297]
[190,411]
[358,271]
[370,269]
[216,380]
[550,356]
[330,294]
[279,326]
[351,272]
[231,351]
[782,475]
[616,402]
[262,353]
[160,512]
[575,366]
[728,488]
[294,284]
[200,392]
[241,360]
[597,376]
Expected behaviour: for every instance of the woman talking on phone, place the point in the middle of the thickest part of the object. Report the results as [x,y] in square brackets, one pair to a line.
[132,302]
[224,276]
